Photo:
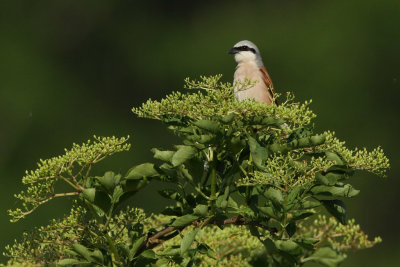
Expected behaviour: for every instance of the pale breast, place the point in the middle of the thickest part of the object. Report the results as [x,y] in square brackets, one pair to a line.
[259,91]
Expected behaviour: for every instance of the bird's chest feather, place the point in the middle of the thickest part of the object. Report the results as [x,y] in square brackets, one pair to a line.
[252,72]
[247,70]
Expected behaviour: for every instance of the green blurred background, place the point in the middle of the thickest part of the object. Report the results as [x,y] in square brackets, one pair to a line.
[71,69]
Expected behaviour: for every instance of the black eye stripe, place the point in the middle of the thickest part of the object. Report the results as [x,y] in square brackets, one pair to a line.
[245,48]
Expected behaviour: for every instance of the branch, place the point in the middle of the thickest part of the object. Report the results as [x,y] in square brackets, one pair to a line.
[173,231]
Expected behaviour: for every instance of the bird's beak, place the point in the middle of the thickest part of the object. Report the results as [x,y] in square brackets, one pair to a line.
[233,51]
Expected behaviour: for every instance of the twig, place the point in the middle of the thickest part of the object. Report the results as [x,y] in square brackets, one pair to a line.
[172,231]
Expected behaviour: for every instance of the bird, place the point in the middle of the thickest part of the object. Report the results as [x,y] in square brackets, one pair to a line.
[251,66]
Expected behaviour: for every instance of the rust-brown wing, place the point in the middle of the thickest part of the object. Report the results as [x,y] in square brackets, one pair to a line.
[268,82]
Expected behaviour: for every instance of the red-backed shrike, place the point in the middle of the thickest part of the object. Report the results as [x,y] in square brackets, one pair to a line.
[250,66]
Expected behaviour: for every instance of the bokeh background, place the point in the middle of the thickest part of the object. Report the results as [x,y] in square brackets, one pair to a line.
[71,69]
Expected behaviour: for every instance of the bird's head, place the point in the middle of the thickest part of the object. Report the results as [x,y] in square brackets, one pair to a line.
[246,51]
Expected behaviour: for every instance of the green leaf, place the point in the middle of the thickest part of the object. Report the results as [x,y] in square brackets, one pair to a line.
[269,245]
[188,239]
[89,194]
[201,210]
[118,192]
[331,156]
[337,208]
[292,198]
[291,228]
[195,167]
[329,178]
[270,212]
[109,180]
[258,153]
[141,171]
[228,118]
[293,194]
[275,195]
[326,256]
[98,256]
[164,155]
[170,251]
[83,251]
[69,262]
[288,246]
[307,243]
[271,121]
[299,215]
[183,154]
[184,220]
[236,145]
[310,203]
[202,139]
[205,249]
[135,246]
[149,253]
[338,190]
[211,126]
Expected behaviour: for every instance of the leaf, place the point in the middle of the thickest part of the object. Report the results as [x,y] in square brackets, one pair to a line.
[211,126]
[310,203]
[141,171]
[118,192]
[337,208]
[287,246]
[195,168]
[83,251]
[258,153]
[271,121]
[293,194]
[205,249]
[222,200]
[164,155]
[170,251]
[174,120]
[291,228]
[109,180]
[201,210]
[331,156]
[329,178]
[236,145]
[326,256]
[299,215]
[184,220]
[228,118]
[188,239]
[270,212]
[98,256]
[183,154]
[317,140]
[149,253]
[307,243]
[69,262]
[89,194]
[336,191]
[135,246]
[202,139]
[274,195]
[292,198]
[102,200]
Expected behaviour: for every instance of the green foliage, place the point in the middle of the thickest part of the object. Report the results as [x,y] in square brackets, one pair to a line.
[247,183]
[72,168]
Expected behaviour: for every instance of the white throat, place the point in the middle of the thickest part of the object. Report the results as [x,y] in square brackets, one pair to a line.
[248,57]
